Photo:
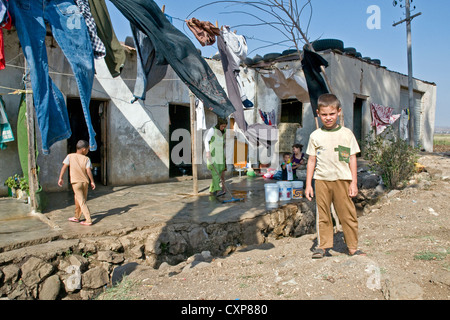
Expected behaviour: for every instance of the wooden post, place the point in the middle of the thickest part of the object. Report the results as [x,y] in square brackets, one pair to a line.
[32,174]
[193,143]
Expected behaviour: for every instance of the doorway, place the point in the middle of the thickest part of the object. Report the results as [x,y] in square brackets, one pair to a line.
[80,132]
[357,118]
[179,116]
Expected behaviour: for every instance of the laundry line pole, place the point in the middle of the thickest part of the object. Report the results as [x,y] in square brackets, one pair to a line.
[193,143]
[32,174]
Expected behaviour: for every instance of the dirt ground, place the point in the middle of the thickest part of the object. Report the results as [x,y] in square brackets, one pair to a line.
[405,234]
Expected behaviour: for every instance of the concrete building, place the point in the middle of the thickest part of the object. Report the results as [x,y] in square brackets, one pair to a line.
[136,140]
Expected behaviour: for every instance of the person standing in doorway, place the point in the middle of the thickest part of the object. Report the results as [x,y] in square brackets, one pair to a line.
[215,156]
[80,175]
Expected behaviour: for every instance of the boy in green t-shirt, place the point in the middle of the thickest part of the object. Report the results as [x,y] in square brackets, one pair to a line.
[332,163]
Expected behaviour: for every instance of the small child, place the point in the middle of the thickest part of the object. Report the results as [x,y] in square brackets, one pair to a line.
[286,167]
[80,175]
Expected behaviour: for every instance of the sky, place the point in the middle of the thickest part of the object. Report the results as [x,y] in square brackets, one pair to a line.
[366,25]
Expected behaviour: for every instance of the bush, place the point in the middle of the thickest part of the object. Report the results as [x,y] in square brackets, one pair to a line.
[17,182]
[390,156]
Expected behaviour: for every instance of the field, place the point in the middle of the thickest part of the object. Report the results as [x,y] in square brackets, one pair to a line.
[441,143]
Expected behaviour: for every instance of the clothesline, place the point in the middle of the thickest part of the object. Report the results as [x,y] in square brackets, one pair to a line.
[72,75]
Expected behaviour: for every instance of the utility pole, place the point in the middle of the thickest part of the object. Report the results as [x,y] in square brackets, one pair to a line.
[414,114]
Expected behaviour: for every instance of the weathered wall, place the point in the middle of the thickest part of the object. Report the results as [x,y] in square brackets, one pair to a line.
[138,134]
[351,77]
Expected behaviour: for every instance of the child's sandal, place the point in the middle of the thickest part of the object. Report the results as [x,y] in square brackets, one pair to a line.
[318,253]
[84,223]
[73,219]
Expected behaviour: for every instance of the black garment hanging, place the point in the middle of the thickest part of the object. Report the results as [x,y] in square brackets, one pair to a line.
[311,64]
[174,48]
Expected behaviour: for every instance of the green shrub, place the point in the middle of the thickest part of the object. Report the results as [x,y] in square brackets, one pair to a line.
[390,156]
[13,182]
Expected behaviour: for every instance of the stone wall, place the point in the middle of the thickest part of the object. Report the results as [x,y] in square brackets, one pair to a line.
[83,268]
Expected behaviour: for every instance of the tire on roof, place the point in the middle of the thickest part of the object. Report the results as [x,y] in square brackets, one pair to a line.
[288,52]
[376,61]
[257,58]
[325,44]
[271,56]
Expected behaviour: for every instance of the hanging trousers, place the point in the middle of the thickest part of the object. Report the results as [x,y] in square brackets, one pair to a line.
[175,48]
[70,31]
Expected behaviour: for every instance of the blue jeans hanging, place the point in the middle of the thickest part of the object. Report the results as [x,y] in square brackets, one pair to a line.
[70,31]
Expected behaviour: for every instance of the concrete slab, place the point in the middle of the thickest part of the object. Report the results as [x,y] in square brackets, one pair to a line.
[120,208]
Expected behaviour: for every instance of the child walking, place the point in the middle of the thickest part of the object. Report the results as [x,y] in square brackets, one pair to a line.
[332,163]
[80,175]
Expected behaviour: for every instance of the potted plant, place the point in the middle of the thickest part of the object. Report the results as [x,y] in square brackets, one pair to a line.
[13,183]
[23,188]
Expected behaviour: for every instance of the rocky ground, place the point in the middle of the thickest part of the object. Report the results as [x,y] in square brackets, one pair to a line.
[405,234]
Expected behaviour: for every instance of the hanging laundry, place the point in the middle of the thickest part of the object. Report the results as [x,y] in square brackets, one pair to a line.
[231,73]
[115,53]
[404,124]
[148,72]
[259,134]
[3,11]
[2,51]
[382,117]
[262,116]
[204,31]
[230,63]
[237,50]
[6,133]
[311,64]
[5,22]
[272,117]
[200,114]
[97,44]
[22,135]
[175,48]
[70,31]
[287,83]
[237,44]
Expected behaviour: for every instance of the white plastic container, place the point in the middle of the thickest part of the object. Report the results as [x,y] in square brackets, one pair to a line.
[297,189]
[285,190]
[271,191]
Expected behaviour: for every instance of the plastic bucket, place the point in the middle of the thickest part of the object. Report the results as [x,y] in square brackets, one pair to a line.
[285,188]
[271,190]
[297,189]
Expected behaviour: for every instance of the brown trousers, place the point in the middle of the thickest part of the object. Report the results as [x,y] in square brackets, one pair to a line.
[81,190]
[335,192]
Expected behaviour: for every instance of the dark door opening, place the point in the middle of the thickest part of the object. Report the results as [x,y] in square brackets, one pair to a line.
[179,116]
[80,132]
[357,118]
[291,111]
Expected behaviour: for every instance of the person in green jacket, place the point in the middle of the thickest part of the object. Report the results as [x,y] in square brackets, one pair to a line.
[215,156]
